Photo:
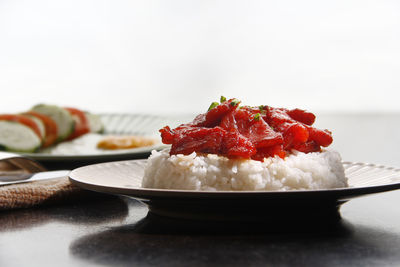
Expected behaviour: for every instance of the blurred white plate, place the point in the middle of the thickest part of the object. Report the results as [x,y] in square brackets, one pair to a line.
[114,124]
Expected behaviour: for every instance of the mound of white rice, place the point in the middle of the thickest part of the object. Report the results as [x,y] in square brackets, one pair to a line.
[298,171]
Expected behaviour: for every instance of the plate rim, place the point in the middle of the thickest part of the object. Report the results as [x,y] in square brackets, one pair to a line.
[149,193]
[128,152]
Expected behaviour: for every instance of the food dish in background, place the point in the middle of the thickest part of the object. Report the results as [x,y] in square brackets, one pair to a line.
[44,126]
[81,133]
[85,148]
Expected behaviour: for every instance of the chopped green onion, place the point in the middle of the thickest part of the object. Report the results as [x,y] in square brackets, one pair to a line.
[261,107]
[222,99]
[235,102]
[213,105]
[257,116]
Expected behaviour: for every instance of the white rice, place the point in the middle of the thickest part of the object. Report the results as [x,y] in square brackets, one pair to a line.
[298,171]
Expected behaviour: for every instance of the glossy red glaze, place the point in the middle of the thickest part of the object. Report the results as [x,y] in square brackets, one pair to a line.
[247,132]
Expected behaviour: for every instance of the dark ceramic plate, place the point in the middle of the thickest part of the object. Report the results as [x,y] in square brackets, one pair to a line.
[124,178]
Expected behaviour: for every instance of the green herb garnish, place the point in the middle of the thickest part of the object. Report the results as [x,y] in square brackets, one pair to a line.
[235,102]
[222,99]
[213,105]
[257,116]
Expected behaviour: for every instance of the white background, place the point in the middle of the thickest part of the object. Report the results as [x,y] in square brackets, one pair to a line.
[171,56]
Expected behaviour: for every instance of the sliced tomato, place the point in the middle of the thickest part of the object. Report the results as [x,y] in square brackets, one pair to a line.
[81,122]
[23,120]
[50,126]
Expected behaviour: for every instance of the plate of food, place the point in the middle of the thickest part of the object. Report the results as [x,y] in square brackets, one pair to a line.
[55,133]
[237,162]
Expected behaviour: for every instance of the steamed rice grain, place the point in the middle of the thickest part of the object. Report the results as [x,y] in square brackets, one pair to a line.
[210,172]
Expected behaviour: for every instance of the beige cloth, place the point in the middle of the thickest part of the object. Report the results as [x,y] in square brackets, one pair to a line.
[36,193]
[46,192]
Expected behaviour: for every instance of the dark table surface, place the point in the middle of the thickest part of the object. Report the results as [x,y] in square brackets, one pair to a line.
[118,231]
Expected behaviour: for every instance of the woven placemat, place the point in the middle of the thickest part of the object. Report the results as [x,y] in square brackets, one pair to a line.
[35,193]
[46,192]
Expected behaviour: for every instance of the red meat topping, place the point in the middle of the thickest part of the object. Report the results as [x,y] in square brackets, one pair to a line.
[234,131]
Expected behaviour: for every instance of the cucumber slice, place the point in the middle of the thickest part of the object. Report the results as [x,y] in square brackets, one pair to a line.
[17,137]
[65,122]
[95,123]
